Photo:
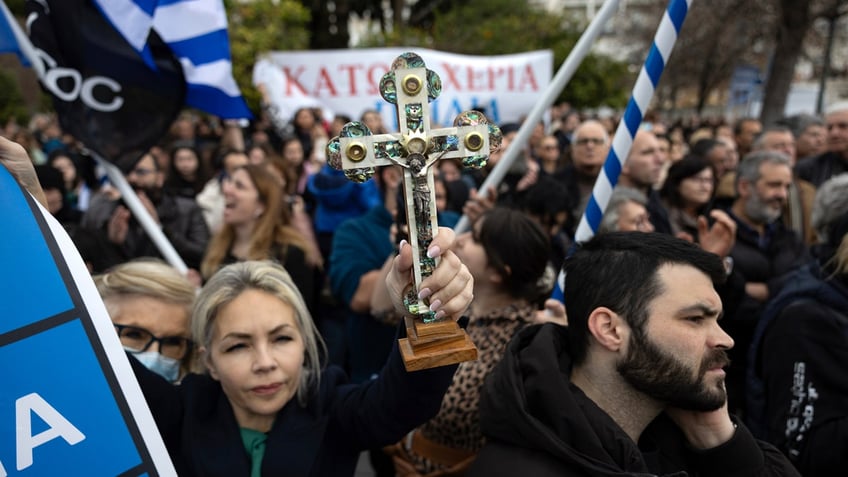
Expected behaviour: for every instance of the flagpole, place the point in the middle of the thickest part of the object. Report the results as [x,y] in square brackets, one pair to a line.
[154,231]
[561,79]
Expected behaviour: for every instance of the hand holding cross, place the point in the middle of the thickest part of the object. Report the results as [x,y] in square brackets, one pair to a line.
[415,148]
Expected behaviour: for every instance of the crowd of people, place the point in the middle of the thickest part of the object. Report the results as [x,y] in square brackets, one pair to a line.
[723,242]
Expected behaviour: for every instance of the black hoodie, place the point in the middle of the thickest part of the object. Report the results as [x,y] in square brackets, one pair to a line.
[537,424]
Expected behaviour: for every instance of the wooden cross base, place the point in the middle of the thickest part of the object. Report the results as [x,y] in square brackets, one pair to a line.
[429,345]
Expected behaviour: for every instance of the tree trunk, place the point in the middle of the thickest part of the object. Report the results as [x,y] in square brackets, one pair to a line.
[704,78]
[342,19]
[397,16]
[329,29]
[795,20]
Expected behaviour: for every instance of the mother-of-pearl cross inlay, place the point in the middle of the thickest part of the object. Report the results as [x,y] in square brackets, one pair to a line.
[416,148]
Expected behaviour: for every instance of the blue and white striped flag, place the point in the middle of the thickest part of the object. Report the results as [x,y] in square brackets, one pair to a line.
[196,31]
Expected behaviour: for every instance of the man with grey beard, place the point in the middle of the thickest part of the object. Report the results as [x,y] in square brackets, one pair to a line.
[765,250]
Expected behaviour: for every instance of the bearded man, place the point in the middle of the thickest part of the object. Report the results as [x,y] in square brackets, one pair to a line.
[181,219]
[764,252]
[634,385]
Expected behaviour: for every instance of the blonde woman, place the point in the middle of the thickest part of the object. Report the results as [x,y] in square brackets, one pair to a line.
[265,405]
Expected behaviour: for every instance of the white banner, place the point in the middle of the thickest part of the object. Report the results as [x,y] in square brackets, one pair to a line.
[346,82]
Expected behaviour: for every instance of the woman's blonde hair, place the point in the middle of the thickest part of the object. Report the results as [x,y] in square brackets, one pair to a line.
[230,282]
[149,278]
[273,227]
[144,277]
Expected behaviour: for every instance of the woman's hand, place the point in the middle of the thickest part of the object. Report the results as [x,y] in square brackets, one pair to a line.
[449,289]
[17,161]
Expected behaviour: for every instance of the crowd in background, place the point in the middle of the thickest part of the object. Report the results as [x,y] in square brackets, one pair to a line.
[769,199]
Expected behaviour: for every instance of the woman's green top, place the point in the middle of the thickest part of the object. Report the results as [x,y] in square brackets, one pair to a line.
[254,444]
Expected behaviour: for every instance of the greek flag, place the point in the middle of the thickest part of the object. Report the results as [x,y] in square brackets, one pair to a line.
[196,32]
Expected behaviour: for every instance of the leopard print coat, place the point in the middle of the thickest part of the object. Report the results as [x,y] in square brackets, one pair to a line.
[457,424]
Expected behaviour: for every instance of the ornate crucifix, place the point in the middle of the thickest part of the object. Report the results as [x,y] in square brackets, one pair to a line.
[416,148]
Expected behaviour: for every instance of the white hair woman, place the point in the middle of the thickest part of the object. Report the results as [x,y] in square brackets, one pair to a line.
[150,305]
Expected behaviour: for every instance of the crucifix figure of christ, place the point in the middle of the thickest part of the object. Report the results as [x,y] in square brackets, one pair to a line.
[416,148]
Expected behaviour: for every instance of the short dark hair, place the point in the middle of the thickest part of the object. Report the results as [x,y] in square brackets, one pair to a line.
[618,270]
[545,199]
[703,147]
[738,125]
[50,178]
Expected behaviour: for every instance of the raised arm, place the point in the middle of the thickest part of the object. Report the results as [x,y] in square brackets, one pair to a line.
[381,411]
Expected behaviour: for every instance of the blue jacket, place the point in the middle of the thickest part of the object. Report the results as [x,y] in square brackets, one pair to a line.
[338,199]
[361,245]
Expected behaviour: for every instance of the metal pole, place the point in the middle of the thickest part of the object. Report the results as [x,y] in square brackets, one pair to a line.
[640,100]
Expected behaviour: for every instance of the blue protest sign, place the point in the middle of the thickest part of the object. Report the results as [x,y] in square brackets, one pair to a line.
[69,403]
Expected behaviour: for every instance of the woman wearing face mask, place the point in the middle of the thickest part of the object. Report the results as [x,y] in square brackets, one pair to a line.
[257,226]
[150,304]
[265,405]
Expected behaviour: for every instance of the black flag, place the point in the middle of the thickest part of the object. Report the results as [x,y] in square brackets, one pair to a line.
[104,93]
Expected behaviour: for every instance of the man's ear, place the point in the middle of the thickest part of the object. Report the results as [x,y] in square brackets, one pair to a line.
[608,328]
[207,362]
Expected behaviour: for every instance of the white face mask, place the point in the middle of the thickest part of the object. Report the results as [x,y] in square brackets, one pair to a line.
[168,368]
